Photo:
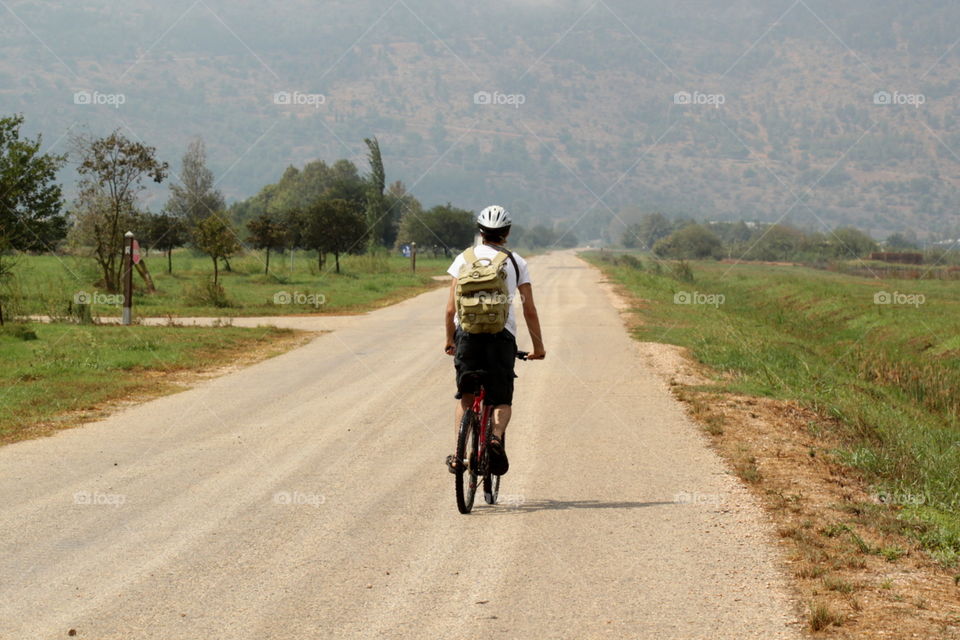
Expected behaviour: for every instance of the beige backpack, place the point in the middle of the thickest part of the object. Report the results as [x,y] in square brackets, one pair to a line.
[483,298]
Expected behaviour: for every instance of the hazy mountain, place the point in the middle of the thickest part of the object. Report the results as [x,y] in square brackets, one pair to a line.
[783,117]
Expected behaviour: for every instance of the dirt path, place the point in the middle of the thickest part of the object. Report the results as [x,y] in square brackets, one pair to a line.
[305,497]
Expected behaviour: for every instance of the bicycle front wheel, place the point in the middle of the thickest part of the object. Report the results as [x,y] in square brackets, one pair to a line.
[467,462]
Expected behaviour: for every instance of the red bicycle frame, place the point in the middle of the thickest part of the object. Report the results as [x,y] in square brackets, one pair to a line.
[482,410]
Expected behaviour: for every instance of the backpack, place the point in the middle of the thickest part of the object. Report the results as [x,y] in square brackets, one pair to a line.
[483,298]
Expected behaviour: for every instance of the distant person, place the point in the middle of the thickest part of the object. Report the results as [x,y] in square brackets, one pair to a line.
[491,346]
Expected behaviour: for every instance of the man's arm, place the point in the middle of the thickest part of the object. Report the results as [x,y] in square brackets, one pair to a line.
[533,321]
[450,347]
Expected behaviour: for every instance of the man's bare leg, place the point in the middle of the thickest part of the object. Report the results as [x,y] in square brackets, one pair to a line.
[501,418]
[462,405]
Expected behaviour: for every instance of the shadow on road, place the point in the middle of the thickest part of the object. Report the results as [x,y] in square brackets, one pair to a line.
[511,504]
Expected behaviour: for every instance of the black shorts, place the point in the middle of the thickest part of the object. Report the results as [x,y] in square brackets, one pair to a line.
[494,354]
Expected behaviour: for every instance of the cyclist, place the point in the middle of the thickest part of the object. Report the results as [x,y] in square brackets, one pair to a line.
[493,353]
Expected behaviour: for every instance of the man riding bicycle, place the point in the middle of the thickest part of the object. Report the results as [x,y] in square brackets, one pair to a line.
[491,352]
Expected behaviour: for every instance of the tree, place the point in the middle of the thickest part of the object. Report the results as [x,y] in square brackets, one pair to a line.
[900,242]
[443,225]
[298,189]
[30,199]
[164,232]
[691,242]
[568,240]
[631,238]
[267,234]
[6,270]
[195,198]
[848,242]
[334,226]
[776,242]
[215,237]
[653,227]
[398,203]
[376,211]
[541,236]
[113,169]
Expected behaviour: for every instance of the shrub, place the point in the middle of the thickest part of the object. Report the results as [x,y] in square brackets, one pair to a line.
[209,293]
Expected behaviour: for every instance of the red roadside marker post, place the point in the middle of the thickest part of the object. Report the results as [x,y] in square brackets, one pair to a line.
[128,278]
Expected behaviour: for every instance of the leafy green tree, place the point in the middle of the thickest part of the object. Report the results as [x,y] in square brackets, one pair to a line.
[848,242]
[30,199]
[267,234]
[694,241]
[443,225]
[541,236]
[900,242]
[776,242]
[298,189]
[334,226]
[164,232]
[215,237]
[113,169]
[653,227]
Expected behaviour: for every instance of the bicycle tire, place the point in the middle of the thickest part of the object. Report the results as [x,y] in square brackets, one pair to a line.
[491,488]
[466,476]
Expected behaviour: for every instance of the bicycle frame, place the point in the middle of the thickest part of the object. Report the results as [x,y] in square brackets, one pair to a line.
[483,410]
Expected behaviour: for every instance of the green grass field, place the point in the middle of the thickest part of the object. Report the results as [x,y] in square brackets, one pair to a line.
[880,359]
[52,369]
[47,285]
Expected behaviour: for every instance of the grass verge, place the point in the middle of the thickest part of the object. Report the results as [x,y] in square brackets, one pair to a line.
[55,375]
[49,285]
[787,389]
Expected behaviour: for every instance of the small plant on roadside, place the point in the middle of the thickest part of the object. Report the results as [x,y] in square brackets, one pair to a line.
[809,570]
[746,467]
[822,617]
[714,424]
[892,554]
[682,271]
[207,293]
[18,332]
[832,583]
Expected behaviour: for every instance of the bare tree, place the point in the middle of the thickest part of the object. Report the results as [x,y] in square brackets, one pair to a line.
[113,169]
[195,197]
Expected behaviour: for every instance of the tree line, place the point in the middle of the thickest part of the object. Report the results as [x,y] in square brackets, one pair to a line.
[685,239]
[332,209]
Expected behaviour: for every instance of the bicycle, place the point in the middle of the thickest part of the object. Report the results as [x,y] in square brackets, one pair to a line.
[473,452]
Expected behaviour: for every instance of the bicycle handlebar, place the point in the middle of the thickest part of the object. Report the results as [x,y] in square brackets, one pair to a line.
[522,355]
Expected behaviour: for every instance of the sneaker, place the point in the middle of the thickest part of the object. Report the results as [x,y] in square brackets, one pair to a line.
[499,465]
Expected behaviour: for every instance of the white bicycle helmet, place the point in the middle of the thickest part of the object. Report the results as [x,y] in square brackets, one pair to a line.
[494,217]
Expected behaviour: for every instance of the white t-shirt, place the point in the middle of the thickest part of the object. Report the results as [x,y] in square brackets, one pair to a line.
[485,251]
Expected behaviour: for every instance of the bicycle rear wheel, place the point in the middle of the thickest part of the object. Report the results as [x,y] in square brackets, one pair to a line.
[467,462]
[491,488]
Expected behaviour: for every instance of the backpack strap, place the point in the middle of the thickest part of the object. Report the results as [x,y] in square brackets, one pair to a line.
[470,256]
[509,254]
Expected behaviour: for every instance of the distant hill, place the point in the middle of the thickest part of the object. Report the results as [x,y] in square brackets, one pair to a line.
[543,105]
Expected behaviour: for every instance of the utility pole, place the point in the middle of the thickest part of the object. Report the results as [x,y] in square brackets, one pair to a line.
[127,278]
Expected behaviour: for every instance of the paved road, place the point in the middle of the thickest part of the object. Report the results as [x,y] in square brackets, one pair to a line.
[305,497]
